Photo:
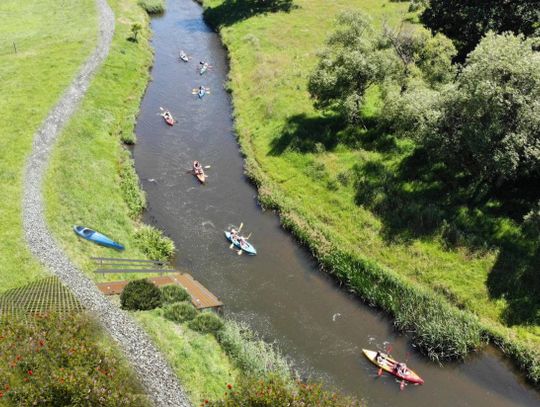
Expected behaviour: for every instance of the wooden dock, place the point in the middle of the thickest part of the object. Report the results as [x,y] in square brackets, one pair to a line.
[201,298]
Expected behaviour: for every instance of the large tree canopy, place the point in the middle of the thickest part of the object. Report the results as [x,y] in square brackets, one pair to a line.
[489,123]
[467,21]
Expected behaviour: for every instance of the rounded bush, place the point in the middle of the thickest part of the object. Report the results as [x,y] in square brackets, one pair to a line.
[180,312]
[141,295]
[206,322]
[174,293]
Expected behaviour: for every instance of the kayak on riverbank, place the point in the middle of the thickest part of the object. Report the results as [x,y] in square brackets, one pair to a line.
[386,363]
[96,237]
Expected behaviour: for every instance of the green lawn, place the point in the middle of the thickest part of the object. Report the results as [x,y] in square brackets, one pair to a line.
[52,39]
[198,360]
[272,55]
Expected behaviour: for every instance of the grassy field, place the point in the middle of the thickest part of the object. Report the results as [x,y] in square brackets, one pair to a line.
[272,55]
[52,39]
[198,360]
[83,185]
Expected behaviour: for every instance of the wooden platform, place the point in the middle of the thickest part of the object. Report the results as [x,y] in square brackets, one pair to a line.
[201,298]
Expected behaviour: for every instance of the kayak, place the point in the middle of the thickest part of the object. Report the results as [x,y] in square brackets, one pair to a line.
[388,365]
[203,69]
[202,92]
[246,246]
[183,56]
[168,119]
[200,175]
[96,237]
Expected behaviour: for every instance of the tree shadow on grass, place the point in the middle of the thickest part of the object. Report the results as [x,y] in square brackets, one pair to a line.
[232,11]
[416,197]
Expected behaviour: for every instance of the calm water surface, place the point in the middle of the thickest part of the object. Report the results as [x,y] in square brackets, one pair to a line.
[280,292]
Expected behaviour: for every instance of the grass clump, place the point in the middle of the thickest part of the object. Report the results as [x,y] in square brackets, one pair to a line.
[153,243]
[174,293]
[152,6]
[129,182]
[62,359]
[180,312]
[252,355]
[141,295]
[206,323]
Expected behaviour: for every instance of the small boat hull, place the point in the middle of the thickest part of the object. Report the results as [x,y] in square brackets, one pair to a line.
[169,120]
[200,176]
[389,366]
[184,57]
[247,247]
[203,69]
[96,237]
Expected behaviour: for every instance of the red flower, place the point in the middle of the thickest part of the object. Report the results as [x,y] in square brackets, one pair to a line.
[229,386]
[30,373]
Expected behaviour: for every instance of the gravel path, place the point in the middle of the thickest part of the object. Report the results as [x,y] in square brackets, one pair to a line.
[153,371]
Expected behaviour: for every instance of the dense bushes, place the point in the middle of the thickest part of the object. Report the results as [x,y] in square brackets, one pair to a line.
[206,322]
[129,183]
[57,360]
[141,295]
[153,6]
[275,391]
[153,243]
[174,293]
[180,312]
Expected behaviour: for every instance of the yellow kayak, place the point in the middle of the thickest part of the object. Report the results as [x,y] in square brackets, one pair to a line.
[390,365]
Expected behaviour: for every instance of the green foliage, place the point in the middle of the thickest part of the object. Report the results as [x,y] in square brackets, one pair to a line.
[466,22]
[174,293]
[129,182]
[58,360]
[207,322]
[350,64]
[275,391]
[153,243]
[488,123]
[180,312]
[140,295]
[135,30]
[153,6]
[253,356]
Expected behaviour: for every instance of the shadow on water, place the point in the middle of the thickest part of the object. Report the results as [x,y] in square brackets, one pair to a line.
[232,11]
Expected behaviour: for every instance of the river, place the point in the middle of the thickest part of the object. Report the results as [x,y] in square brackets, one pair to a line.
[280,292]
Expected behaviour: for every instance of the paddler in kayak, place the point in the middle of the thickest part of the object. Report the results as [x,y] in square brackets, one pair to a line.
[379,358]
[167,115]
[401,369]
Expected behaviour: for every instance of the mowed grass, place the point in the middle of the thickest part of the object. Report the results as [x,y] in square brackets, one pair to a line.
[82,185]
[53,38]
[198,360]
[272,55]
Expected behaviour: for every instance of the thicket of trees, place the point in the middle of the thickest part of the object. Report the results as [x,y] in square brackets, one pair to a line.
[479,121]
[466,22]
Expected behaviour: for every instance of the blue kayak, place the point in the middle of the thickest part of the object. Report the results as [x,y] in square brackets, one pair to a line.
[244,246]
[96,237]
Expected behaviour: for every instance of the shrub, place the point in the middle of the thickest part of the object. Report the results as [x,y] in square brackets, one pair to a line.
[180,312]
[275,391]
[174,293]
[152,6]
[61,360]
[154,243]
[129,183]
[141,295]
[206,322]
[251,354]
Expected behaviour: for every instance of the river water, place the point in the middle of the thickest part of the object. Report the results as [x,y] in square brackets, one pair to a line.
[280,292]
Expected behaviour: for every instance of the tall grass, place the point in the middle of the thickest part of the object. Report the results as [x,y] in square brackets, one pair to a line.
[153,6]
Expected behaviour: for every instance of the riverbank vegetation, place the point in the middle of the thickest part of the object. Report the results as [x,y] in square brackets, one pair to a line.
[43,45]
[419,171]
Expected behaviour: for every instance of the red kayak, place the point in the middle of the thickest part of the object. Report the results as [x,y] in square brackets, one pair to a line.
[389,365]
[167,116]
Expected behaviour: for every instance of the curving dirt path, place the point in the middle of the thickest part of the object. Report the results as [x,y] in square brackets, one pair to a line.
[155,374]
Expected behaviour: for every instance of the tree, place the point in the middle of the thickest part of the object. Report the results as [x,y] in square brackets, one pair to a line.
[466,21]
[351,63]
[489,122]
[135,29]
